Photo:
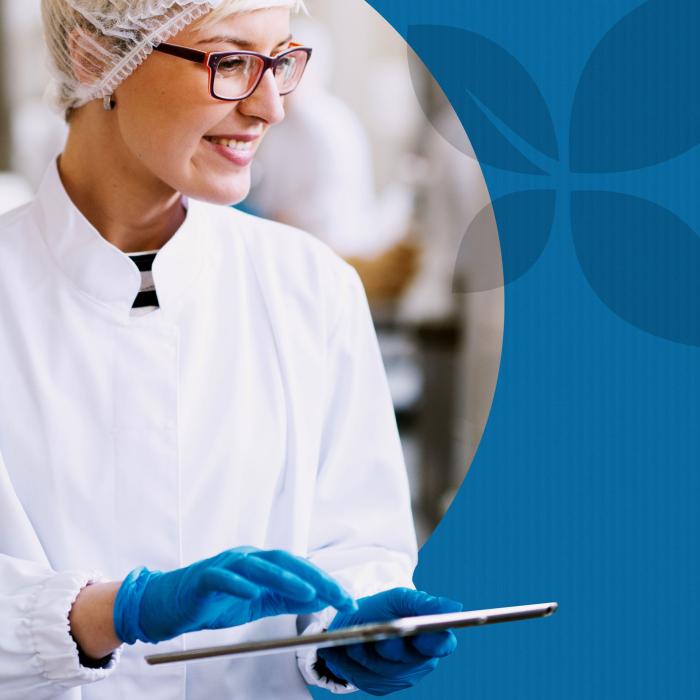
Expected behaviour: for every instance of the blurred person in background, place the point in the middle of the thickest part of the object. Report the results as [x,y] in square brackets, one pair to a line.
[186,389]
[332,193]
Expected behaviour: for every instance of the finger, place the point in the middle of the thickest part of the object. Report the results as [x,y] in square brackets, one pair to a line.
[391,649]
[273,601]
[274,578]
[215,580]
[364,655]
[406,602]
[421,603]
[447,605]
[435,644]
[400,651]
[326,587]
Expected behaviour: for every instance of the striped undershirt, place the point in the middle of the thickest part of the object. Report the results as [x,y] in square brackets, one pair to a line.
[146,299]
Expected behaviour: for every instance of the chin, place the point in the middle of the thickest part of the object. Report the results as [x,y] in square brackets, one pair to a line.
[219,192]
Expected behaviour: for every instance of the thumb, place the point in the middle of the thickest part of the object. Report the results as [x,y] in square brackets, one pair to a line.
[422,603]
[406,602]
[439,604]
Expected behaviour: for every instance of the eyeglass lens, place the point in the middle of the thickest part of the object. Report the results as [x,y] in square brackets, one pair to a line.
[237,75]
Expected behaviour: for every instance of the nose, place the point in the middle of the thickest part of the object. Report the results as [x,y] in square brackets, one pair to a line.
[265,103]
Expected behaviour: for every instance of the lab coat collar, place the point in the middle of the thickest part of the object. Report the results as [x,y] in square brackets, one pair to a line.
[102,271]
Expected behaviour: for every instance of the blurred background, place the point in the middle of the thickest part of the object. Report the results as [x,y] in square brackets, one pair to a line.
[384,174]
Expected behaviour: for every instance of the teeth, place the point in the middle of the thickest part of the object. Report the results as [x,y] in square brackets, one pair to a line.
[234,145]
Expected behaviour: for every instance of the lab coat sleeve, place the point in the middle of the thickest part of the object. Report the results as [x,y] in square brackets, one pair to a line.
[361,528]
[38,657]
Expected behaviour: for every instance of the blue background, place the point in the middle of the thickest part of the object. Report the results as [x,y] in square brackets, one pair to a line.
[585,487]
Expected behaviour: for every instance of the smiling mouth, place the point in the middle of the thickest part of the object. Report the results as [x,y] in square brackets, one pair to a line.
[240,146]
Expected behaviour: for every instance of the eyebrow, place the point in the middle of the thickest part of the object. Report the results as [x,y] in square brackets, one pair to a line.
[241,43]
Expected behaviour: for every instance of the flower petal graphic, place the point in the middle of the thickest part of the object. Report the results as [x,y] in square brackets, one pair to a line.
[476,73]
[642,261]
[504,241]
[637,103]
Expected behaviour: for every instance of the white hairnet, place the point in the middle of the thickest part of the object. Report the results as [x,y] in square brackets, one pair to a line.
[96,44]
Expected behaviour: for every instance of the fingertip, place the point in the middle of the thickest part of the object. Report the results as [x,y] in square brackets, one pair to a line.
[341,600]
[448,605]
[349,605]
[340,593]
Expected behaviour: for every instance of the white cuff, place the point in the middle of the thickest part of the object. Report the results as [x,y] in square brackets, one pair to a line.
[307,658]
[49,629]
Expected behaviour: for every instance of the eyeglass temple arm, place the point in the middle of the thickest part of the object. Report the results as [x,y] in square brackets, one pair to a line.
[182,52]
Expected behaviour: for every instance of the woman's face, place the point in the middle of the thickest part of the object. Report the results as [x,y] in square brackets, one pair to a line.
[176,131]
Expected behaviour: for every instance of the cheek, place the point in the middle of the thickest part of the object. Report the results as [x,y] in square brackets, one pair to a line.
[166,135]
[162,123]
[163,115]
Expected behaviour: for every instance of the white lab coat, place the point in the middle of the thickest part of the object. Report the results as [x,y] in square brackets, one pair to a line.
[250,409]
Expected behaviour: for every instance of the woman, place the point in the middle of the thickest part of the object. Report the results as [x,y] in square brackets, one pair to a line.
[220,457]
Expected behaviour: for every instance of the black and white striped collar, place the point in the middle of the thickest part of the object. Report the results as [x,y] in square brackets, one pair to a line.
[147,297]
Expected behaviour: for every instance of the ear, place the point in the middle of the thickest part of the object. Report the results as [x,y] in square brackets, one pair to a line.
[88,55]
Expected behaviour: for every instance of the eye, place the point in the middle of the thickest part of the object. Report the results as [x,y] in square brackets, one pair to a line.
[286,66]
[234,65]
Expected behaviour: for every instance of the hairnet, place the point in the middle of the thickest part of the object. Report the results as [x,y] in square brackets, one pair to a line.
[96,44]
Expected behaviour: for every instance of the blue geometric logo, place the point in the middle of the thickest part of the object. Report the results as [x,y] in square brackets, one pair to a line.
[637,105]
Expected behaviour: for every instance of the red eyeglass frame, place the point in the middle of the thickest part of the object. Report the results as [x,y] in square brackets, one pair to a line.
[212,59]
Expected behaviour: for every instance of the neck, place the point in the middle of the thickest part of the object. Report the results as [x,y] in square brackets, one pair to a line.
[129,206]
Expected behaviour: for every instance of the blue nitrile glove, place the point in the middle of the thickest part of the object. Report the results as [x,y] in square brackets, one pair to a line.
[380,668]
[234,587]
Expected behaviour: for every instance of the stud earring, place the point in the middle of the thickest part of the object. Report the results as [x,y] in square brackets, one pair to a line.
[109,103]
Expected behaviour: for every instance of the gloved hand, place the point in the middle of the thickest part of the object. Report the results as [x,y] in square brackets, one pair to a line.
[380,668]
[234,587]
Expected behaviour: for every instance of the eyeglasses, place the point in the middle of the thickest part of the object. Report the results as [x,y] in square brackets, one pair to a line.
[235,75]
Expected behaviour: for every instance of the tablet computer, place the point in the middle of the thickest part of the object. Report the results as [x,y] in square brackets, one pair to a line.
[372,632]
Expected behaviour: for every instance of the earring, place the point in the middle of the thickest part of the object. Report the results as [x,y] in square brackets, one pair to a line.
[109,103]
